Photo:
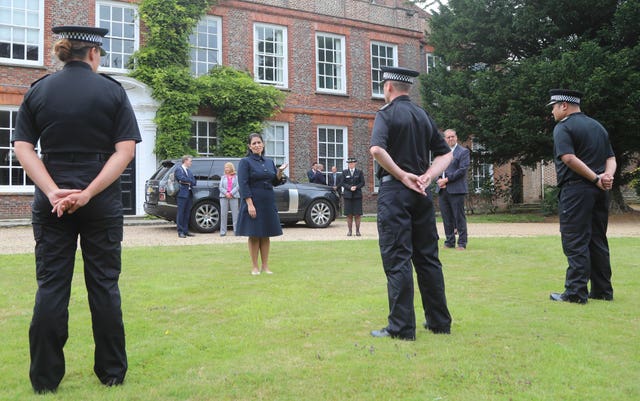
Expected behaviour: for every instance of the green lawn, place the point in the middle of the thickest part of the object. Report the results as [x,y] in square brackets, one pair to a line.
[200,327]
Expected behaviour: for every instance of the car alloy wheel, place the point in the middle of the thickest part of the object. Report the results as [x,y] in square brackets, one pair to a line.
[319,214]
[205,217]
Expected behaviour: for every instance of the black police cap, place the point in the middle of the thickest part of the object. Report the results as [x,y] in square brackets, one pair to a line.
[398,74]
[87,34]
[564,95]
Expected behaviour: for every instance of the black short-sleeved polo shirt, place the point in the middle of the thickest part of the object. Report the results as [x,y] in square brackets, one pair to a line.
[76,110]
[584,137]
[408,134]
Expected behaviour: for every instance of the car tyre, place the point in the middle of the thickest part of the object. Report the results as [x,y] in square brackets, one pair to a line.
[205,217]
[319,214]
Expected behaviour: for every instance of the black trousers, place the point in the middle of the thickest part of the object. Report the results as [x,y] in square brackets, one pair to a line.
[99,224]
[453,218]
[584,215]
[407,234]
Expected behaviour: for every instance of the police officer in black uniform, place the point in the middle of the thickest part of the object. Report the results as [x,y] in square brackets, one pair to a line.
[403,135]
[87,133]
[585,165]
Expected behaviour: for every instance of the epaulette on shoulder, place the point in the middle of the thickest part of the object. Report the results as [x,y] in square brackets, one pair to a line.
[384,107]
[39,79]
[111,78]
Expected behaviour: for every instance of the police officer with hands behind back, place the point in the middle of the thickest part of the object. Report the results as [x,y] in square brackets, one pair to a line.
[87,132]
[403,135]
[585,166]
[352,183]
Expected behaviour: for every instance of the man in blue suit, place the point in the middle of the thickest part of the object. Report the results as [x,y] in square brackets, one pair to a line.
[318,176]
[187,181]
[452,189]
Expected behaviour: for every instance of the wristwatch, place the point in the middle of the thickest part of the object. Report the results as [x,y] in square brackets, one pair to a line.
[595,180]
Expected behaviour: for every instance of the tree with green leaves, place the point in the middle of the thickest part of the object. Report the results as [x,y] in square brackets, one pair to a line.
[239,104]
[500,58]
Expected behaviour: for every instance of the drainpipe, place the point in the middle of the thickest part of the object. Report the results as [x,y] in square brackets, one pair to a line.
[542,177]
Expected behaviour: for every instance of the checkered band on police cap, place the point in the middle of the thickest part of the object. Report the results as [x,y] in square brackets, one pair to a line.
[81,33]
[564,95]
[398,74]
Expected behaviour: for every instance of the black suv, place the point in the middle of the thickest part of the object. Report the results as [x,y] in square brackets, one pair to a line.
[316,204]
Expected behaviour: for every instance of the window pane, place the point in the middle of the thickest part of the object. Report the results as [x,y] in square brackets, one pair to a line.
[129,16]
[32,20]
[5,16]
[120,42]
[204,40]
[330,65]
[270,55]
[330,147]
[5,34]
[32,53]
[381,55]
[117,14]
[204,139]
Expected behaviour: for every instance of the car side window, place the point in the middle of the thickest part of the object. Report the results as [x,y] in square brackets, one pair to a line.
[217,170]
[200,169]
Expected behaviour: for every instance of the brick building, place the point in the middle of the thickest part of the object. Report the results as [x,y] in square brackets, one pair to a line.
[325,55]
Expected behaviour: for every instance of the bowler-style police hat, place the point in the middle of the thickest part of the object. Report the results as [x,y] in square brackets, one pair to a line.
[564,95]
[398,74]
[87,34]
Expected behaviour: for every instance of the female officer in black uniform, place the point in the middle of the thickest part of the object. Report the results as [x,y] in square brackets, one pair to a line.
[87,132]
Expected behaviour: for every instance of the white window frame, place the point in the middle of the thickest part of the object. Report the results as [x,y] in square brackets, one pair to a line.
[9,156]
[276,142]
[377,62]
[196,135]
[481,172]
[431,62]
[339,64]
[336,159]
[281,57]
[103,22]
[203,57]
[23,26]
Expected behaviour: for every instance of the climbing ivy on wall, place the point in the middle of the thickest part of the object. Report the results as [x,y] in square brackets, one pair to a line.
[239,104]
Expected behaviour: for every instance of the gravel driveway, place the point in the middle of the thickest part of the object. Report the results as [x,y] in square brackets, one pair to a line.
[153,233]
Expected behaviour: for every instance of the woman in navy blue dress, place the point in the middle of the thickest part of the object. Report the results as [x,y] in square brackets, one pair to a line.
[258,218]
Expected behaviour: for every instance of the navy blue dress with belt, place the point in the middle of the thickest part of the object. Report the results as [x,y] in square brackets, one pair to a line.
[257,175]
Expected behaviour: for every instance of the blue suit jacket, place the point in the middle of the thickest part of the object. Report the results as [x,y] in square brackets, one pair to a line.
[186,181]
[318,178]
[456,172]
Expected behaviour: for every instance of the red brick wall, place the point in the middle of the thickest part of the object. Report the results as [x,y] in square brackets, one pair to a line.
[15,206]
[305,108]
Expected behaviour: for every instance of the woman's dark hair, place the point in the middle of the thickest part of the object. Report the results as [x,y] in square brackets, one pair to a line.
[67,50]
[251,136]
